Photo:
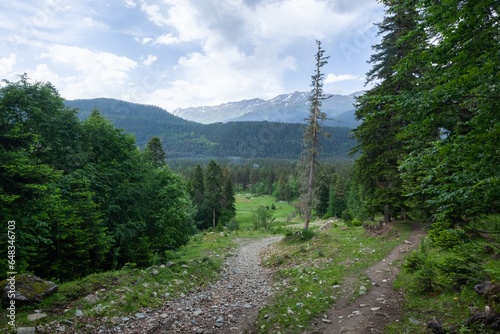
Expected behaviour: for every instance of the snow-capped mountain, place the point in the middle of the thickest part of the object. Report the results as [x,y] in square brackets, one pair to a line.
[287,108]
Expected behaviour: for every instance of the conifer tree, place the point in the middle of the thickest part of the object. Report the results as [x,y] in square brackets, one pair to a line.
[379,144]
[312,135]
[155,152]
[213,193]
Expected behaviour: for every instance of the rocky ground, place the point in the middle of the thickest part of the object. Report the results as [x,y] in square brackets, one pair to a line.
[231,304]
[227,306]
[378,303]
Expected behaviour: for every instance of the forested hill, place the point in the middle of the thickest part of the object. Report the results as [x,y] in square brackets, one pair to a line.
[182,138]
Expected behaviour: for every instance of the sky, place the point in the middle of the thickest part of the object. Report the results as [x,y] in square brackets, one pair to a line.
[187,53]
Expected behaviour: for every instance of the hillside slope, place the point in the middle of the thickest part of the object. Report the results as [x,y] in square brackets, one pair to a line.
[183,138]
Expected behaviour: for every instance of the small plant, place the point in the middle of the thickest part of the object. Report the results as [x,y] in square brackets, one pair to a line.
[299,236]
[263,218]
[444,235]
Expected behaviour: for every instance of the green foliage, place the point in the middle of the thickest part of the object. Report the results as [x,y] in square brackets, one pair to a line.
[299,236]
[446,236]
[183,138]
[263,217]
[83,197]
[154,152]
[436,270]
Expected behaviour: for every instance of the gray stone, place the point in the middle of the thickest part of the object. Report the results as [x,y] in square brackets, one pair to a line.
[61,328]
[140,315]
[29,289]
[115,320]
[91,299]
[36,316]
[79,313]
[26,330]
[98,308]
[247,305]
[197,312]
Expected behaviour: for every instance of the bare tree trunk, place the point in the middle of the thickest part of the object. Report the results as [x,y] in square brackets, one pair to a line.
[387,214]
[213,217]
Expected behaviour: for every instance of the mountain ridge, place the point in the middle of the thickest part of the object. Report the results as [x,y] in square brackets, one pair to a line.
[184,138]
[287,108]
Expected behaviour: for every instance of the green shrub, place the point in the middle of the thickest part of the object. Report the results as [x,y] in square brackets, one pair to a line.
[262,218]
[299,236]
[232,225]
[444,235]
[354,222]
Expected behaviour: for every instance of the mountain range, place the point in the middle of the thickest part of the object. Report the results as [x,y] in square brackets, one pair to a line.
[243,138]
[286,108]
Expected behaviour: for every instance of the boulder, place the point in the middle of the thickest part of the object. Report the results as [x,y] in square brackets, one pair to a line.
[27,289]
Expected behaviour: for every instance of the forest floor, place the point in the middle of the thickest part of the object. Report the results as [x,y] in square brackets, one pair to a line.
[380,305]
[231,304]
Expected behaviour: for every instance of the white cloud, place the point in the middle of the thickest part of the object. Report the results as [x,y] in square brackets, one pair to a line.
[150,60]
[130,3]
[331,78]
[7,64]
[89,73]
[167,39]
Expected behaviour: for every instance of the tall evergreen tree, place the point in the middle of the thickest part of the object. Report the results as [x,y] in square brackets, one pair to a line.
[312,135]
[213,193]
[198,194]
[228,207]
[378,135]
[322,198]
[155,152]
[452,169]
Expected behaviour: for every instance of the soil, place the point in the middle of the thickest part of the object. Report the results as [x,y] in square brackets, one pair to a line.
[231,304]
[380,305]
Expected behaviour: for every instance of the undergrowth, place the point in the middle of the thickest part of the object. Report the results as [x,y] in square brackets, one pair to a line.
[439,279]
[310,268]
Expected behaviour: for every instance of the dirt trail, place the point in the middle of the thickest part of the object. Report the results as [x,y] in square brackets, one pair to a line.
[379,306]
[227,306]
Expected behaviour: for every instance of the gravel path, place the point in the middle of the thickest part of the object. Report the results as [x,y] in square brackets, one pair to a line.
[227,306]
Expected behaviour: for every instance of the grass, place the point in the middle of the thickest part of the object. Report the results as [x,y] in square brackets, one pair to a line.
[451,300]
[130,290]
[246,203]
[307,274]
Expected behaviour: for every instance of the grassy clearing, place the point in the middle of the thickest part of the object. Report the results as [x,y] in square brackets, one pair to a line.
[308,273]
[246,203]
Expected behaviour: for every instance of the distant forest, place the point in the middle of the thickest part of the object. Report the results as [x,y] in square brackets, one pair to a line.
[182,138]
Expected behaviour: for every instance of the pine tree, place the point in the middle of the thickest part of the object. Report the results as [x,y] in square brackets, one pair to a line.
[155,152]
[311,137]
[213,193]
[382,121]
[228,207]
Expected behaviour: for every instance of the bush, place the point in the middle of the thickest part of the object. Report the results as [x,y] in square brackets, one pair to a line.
[444,235]
[232,225]
[299,236]
[262,218]
[346,215]
[354,222]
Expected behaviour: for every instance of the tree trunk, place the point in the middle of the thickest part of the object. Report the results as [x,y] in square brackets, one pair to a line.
[387,214]
[213,218]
